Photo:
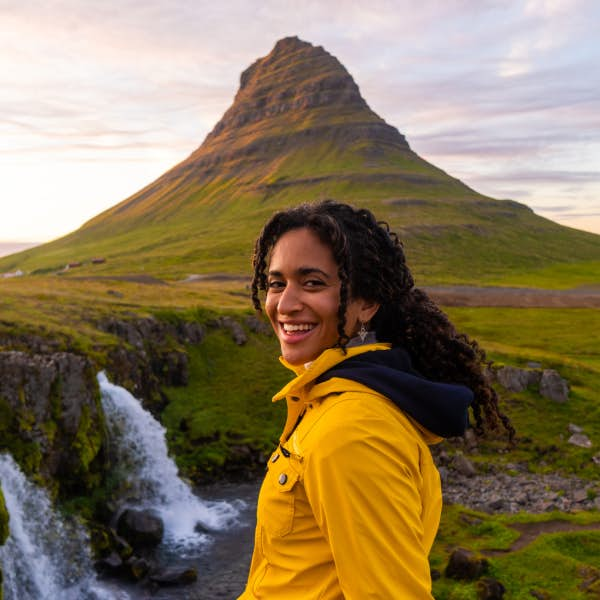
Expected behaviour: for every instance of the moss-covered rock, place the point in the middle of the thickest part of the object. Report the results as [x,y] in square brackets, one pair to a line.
[51,419]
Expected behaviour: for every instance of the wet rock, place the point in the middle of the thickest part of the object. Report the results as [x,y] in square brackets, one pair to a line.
[138,567]
[553,386]
[110,565]
[141,528]
[174,576]
[489,588]
[466,565]
[581,440]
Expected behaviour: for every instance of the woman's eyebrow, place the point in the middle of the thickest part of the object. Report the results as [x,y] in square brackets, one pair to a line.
[302,271]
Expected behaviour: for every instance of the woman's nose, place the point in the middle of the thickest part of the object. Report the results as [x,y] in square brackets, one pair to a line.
[290,300]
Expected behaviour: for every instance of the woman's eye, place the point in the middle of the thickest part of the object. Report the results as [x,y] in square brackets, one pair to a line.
[274,285]
[313,283]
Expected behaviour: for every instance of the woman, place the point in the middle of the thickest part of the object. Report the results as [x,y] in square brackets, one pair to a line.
[351,501]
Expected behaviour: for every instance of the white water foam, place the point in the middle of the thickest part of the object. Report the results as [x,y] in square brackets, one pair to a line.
[46,555]
[138,445]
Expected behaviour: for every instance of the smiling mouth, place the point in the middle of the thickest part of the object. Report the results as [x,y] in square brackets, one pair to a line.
[297,328]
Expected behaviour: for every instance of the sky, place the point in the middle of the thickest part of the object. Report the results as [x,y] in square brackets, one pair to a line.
[98,99]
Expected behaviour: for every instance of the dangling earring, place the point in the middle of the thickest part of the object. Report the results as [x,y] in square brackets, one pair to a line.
[362,332]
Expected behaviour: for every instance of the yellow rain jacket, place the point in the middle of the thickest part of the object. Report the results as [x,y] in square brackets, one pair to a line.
[351,500]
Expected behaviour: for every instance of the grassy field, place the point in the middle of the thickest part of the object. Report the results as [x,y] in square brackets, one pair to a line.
[226,408]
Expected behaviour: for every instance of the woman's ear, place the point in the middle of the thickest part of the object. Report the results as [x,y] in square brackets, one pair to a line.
[367,311]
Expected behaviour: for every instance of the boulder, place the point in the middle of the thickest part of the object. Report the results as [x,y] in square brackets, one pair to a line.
[553,386]
[466,565]
[517,380]
[143,529]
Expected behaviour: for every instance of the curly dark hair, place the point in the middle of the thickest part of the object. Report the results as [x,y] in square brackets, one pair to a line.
[372,266]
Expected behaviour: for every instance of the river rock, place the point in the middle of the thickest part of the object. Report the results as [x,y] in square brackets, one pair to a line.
[553,386]
[174,576]
[110,565]
[141,528]
[466,565]
[581,440]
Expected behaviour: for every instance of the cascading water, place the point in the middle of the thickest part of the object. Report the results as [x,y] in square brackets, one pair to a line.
[138,444]
[46,555]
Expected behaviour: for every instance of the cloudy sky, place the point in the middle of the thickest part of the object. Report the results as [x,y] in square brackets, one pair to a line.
[99,98]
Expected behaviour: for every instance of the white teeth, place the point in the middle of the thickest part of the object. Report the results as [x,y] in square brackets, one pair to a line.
[289,328]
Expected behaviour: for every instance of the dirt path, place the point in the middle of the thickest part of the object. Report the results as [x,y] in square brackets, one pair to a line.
[459,295]
[531,531]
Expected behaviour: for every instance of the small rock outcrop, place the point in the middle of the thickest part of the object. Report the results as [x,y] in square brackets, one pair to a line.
[548,381]
[517,380]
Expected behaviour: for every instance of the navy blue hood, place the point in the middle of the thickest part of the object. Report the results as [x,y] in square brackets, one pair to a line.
[439,407]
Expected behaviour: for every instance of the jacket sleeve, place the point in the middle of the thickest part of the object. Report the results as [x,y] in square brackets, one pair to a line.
[363,482]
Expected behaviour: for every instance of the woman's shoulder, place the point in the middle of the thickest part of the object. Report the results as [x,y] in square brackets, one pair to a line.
[354,416]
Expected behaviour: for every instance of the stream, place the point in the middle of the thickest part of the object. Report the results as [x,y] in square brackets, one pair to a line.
[47,555]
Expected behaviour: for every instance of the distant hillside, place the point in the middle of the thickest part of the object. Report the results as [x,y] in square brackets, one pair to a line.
[299,130]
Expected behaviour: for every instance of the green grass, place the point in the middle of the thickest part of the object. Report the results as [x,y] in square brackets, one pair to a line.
[554,563]
[226,404]
[556,338]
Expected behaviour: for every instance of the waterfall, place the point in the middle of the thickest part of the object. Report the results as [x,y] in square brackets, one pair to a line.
[46,555]
[138,445]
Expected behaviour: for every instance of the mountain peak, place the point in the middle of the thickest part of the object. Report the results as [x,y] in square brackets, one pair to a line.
[297,90]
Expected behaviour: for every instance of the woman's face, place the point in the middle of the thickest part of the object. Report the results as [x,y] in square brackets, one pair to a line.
[303,296]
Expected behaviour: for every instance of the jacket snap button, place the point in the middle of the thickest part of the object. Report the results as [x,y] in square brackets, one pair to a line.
[282,478]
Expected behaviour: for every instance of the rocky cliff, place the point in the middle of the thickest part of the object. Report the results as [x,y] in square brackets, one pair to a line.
[50,418]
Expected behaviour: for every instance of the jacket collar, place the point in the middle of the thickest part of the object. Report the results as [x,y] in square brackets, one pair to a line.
[306,375]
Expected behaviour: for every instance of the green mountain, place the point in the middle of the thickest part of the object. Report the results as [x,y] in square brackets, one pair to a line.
[299,130]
